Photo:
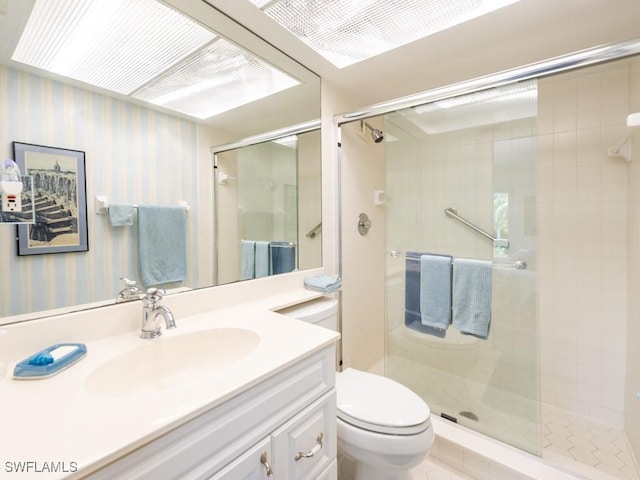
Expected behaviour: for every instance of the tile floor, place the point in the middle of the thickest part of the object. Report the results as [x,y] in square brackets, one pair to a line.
[434,470]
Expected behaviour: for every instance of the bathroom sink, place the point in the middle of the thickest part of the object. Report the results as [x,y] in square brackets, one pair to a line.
[171,361]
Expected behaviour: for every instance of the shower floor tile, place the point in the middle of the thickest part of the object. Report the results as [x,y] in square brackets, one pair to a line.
[590,449]
[578,439]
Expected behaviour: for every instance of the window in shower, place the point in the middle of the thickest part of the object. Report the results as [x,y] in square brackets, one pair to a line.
[501,221]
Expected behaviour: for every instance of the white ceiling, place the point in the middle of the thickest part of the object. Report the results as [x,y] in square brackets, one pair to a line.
[522,33]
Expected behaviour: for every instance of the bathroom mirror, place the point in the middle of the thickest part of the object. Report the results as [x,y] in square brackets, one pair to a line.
[142,144]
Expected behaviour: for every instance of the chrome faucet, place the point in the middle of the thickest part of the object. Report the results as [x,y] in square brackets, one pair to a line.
[151,310]
[129,292]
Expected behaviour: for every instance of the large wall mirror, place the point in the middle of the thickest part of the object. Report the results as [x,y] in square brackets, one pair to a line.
[146,89]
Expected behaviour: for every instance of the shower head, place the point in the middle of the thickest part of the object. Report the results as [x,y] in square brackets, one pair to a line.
[376,134]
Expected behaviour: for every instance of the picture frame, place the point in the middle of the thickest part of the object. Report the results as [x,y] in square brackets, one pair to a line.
[60,200]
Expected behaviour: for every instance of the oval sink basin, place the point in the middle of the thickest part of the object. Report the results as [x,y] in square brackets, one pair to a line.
[169,362]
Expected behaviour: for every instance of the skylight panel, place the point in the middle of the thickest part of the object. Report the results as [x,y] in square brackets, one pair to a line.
[349,31]
[116,44]
[218,78]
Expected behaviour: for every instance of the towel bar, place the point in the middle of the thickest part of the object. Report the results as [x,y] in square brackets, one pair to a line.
[102,205]
[452,212]
[515,265]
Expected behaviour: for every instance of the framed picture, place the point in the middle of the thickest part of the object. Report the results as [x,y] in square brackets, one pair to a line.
[59,200]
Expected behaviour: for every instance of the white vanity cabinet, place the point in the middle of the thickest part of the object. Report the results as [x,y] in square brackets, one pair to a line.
[289,415]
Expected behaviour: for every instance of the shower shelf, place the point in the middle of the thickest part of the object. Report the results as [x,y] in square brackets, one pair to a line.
[453,213]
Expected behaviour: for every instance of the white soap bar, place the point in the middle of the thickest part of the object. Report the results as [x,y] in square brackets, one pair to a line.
[62,351]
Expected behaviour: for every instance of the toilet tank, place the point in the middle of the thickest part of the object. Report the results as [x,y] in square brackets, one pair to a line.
[321,311]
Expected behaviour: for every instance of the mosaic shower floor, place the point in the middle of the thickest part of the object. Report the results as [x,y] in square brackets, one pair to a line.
[592,450]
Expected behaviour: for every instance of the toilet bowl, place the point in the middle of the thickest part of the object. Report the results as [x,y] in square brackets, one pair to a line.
[384,428]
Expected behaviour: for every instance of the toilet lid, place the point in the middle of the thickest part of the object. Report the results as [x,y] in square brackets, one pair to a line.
[379,404]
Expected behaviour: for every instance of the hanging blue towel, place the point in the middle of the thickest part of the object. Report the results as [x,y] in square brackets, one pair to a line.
[162,240]
[248,259]
[283,257]
[472,296]
[120,214]
[412,317]
[435,291]
[262,259]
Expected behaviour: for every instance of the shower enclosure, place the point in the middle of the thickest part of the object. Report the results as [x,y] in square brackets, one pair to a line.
[474,154]
[527,175]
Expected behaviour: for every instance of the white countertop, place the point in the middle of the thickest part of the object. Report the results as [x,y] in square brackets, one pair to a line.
[57,420]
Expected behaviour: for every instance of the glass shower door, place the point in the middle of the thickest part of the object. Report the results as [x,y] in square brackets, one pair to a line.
[474,154]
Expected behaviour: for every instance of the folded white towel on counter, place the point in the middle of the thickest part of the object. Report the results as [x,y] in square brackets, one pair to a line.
[323,283]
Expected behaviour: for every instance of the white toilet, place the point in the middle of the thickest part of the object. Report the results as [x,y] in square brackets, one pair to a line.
[383,427]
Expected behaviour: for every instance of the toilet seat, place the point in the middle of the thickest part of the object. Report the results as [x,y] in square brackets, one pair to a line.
[379,404]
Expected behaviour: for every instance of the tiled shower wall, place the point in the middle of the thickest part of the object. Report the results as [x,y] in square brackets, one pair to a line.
[363,260]
[582,240]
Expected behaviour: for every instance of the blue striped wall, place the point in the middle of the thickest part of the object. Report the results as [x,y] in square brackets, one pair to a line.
[133,155]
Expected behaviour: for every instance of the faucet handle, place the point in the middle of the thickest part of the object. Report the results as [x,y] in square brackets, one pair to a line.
[155,294]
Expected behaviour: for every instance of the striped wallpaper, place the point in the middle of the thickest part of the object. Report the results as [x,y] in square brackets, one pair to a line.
[133,155]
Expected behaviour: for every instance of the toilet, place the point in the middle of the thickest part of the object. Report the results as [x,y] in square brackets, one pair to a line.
[383,427]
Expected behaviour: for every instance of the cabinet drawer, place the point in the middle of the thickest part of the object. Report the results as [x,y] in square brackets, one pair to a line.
[251,465]
[306,445]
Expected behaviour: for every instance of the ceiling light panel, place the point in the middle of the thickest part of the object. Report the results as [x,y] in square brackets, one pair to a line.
[349,31]
[217,78]
[118,45]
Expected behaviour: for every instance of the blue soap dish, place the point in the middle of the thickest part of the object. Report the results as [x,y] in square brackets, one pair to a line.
[50,361]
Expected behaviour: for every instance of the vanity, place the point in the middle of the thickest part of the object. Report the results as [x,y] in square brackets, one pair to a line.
[235,391]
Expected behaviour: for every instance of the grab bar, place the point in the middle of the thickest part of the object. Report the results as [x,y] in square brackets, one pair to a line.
[453,213]
[314,231]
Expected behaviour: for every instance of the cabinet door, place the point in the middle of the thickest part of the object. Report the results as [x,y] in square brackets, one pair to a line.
[254,464]
[306,445]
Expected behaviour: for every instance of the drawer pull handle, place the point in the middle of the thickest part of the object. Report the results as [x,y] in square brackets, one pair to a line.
[313,451]
[263,460]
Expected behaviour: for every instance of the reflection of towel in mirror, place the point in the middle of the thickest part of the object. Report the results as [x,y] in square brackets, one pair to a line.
[120,214]
[262,259]
[162,240]
[283,257]
[472,296]
[248,259]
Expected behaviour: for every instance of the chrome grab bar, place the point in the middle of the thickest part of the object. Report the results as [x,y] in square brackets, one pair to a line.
[453,213]
[314,231]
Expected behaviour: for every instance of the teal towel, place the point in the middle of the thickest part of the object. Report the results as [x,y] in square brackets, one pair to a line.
[262,259]
[435,291]
[472,296]
[247,259]
[120,214]
[162,240]
[323,283]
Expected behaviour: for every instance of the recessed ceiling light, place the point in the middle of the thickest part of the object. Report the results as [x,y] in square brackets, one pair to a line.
[349,31]
[145,49]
